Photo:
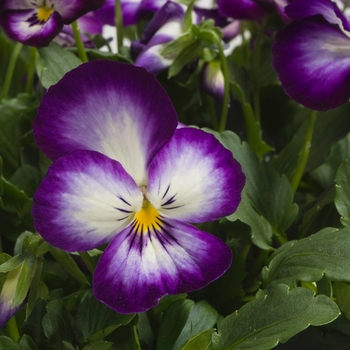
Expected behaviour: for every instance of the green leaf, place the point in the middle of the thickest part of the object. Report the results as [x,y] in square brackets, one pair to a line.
[26,343]
[270,194]
[25,277]
[200,341]
[174,320]
[54,63]
[341,292]
[57,323]
[67,345]
[68,263]
[275,316]
[6,343]
[259,146]
[100,345]
[12,263]
[330,127]
[16,201]
[261,230]
[202,318]
[95,320]
[326,253]
[342,192]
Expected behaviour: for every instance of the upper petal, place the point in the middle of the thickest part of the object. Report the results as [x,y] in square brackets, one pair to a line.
[25,27]
[300,9]
[117,109]
[85,199]
[194,178]
[312,60]
[137,269]
[241,9]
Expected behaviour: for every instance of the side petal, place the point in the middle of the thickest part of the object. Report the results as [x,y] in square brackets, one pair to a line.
[85,199]
[136,270]
[117,109]
[312,61]
[194,178]
[23,26]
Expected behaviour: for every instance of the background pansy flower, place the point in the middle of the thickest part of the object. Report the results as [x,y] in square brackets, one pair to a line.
[123,173]
[312,54]
[37,22]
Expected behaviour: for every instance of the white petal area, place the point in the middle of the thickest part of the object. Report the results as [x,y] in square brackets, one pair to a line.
[84,201]
[194,178]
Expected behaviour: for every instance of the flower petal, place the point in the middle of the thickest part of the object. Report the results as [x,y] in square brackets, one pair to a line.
[85,199]
[300,9]
[70,10]
[194,178]
[113,108]
[312,60]
[241,9]
[136,270]
[23,26]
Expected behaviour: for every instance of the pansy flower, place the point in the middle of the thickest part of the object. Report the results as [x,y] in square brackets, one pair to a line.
[124,173]
[37,22]
[213,81]
[312,54]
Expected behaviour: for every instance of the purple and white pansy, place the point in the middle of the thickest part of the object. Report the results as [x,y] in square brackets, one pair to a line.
[37,22]
[124,173]
[311,55]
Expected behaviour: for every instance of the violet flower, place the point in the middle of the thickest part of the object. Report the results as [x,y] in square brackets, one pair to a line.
[6,297]
[123,173]
[312,54]
[37,22]
[166,25]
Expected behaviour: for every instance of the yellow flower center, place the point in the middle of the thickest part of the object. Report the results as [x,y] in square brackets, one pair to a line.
[147,218]
[44,13]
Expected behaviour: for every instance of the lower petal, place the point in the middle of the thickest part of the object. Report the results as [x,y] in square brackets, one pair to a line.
[23,26]
[312,61]
[85,199]
[137,269]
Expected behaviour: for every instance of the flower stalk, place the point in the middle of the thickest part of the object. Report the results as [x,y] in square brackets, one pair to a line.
[10,70]
[79,42]
[31,71]
[119,24]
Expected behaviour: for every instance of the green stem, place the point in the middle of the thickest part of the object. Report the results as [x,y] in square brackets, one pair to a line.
[211,107]
[119,24]
[34,288]
[12,329]
[256,71]
[304,155]
[80,45]
[224,111]
[281,236]
[31,71]
[88,261]
[245,251]
[10,70]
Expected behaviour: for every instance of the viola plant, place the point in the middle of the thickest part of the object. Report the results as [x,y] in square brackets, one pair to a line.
[37,22]
[185,187]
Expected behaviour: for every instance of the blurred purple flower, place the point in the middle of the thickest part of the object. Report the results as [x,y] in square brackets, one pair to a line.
[311,55]
[37,22]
